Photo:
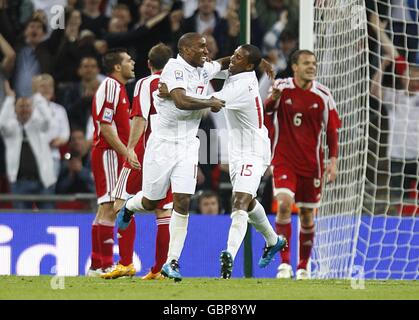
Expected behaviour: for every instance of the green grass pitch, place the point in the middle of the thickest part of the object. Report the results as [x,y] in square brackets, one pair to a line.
[18,287]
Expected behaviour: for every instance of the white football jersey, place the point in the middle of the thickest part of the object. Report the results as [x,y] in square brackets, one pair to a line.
[171,123]
[248,136]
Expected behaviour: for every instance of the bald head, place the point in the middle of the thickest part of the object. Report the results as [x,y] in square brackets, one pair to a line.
[187,40]
[193,49]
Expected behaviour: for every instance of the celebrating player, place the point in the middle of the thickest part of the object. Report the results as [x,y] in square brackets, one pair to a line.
[171,155]
[249,156]
[110,113]
[130,179]
[303,107]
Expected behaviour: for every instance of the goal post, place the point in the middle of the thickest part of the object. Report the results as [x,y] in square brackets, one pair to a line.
[368,222]
[340,42]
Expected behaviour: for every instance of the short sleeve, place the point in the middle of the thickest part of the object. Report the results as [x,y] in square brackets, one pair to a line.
[142,100]
[334,121]
[174,76]
[110,101]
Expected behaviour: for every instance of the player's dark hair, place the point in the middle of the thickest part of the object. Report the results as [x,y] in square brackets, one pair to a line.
[296,55]
[187,39]
[255,56]
[113,57]
[159,55]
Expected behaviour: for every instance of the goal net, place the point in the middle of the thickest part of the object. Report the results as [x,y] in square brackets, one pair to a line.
[367,222]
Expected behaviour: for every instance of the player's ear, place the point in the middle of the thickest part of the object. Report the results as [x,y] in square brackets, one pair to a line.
[117,67]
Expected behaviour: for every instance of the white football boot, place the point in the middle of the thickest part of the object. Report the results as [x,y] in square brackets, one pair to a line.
[302,274]
[284,271]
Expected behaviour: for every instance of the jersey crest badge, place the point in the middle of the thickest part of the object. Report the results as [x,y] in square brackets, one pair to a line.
[179,75]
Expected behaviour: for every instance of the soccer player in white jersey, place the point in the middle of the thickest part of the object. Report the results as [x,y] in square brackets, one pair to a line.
[249,156]
[171,156]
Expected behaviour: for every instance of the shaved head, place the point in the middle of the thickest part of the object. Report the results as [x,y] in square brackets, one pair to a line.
[187,40]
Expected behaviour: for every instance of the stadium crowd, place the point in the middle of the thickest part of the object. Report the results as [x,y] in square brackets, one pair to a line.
[57,60]
[55,57]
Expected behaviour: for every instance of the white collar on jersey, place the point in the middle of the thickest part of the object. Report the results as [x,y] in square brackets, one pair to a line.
[242,75]
[183,61]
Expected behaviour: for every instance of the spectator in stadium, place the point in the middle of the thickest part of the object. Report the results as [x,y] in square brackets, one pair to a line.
[206,20]
[117,25]
[76,97]
[279,56]
[303,107]
[154,26]
[6,65]
[93,19]
[123,15]
[59,130]
[269,12]
[402,105]
[24,124]
[64,46]
[14,15]
[32,57]
[76,175]
[208,203]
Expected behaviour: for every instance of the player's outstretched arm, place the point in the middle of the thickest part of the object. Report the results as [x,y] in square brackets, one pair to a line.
[108,132]
[184,102]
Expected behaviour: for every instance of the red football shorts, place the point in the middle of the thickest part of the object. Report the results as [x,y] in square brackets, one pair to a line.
[306,191]
[105,169]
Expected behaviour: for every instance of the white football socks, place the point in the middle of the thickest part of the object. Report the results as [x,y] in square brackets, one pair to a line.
[237,231]
[178,228]
[135,203]
[258,219]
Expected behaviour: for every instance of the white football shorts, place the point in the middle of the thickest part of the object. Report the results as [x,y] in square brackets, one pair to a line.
[169,163]
[245,175]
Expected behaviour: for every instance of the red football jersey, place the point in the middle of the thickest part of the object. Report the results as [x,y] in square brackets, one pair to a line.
[301,116]
[111,105]
[143,106]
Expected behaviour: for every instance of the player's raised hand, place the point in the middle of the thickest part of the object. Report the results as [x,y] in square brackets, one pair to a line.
[133,159]
[331,170]
[267,67]
[216,104]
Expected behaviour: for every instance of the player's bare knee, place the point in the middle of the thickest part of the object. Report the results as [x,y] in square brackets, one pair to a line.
[148,204]
[181,203]
[285,206]
[306,217]
[241,201]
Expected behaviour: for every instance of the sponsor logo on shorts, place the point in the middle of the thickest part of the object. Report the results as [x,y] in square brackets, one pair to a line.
[283,177]
[316,183]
